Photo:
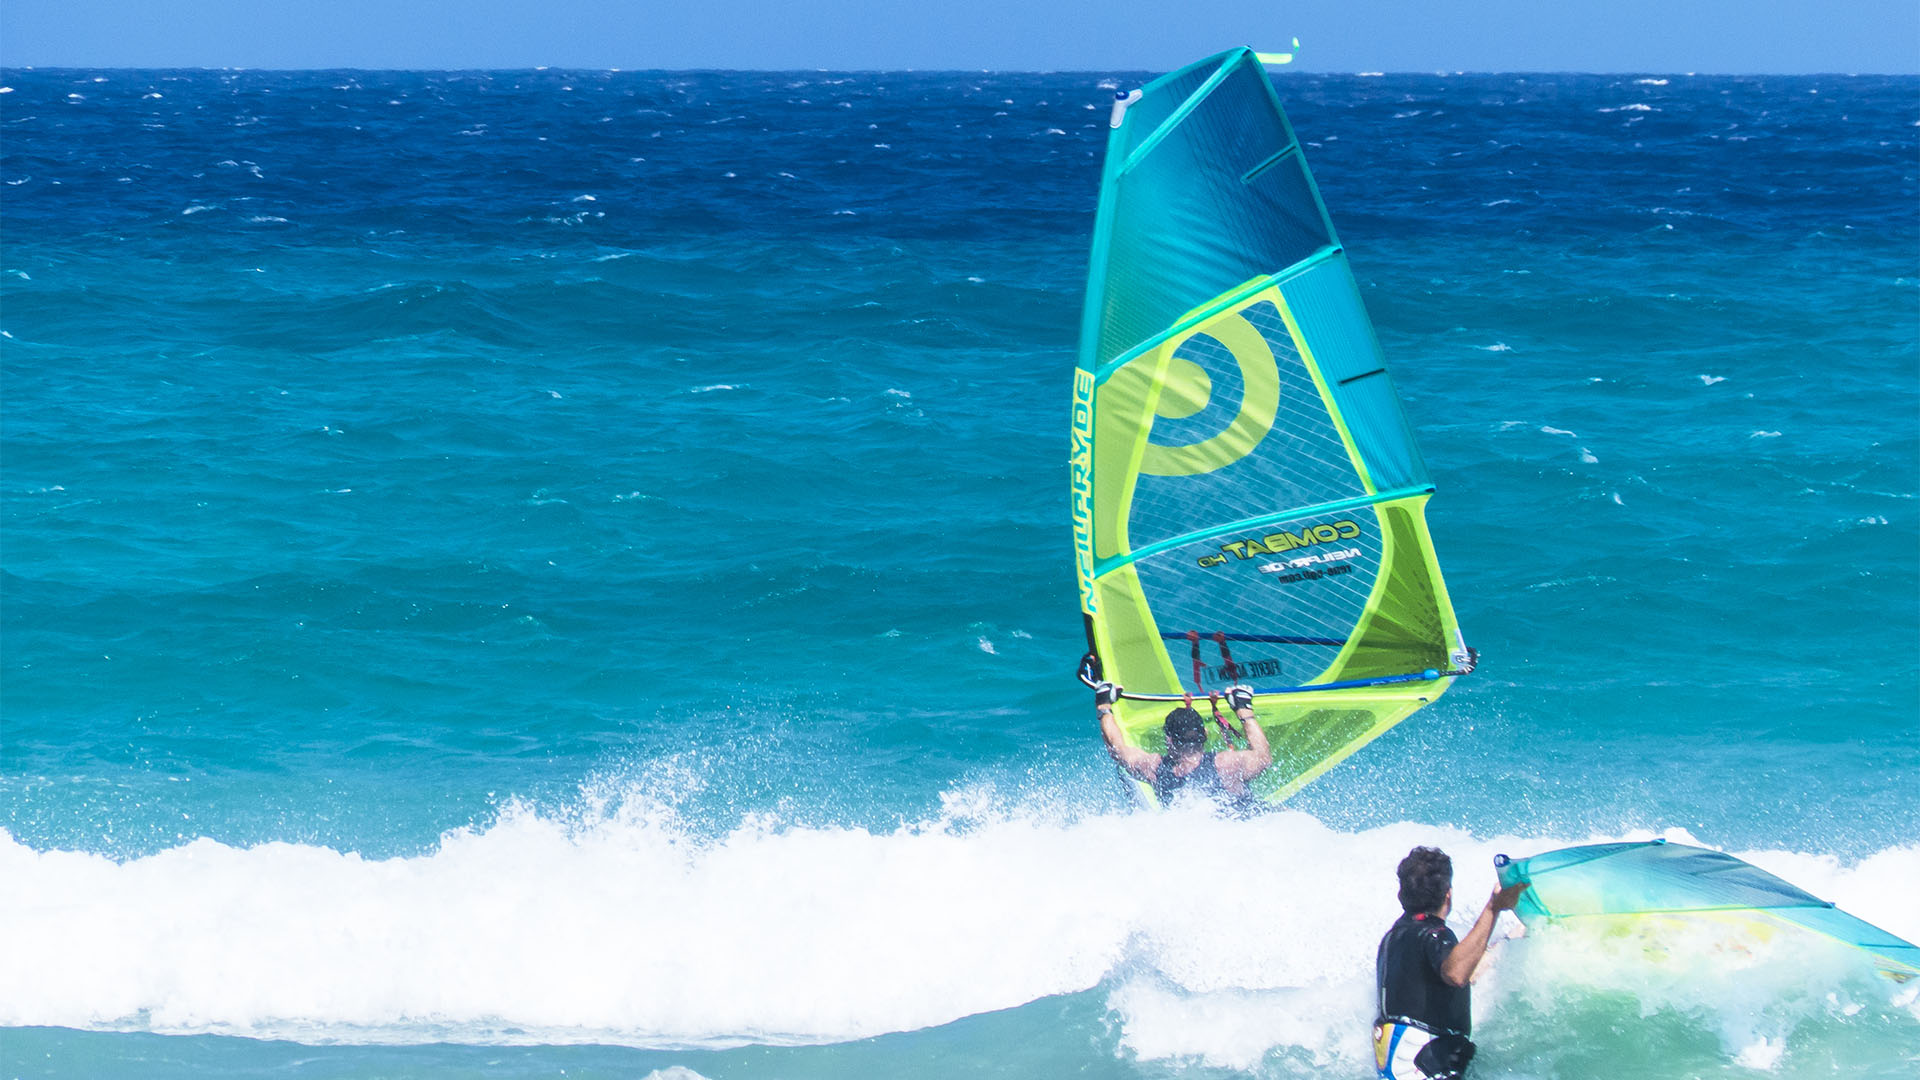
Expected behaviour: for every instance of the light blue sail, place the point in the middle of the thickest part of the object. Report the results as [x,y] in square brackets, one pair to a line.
[1659,878]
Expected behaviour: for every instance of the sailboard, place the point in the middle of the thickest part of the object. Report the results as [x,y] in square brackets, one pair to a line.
[1248,504]
[1619,886]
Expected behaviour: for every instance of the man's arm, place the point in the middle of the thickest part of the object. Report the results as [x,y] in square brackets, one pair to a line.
[1131,758]
[1245,764]
[1458,967]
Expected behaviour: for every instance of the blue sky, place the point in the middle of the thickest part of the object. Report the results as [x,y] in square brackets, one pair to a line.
[1773,36]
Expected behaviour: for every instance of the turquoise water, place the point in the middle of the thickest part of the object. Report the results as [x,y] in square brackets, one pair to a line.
[520,572]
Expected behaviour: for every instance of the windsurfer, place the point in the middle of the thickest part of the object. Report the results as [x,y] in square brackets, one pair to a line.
[1187,764]
[1423,974]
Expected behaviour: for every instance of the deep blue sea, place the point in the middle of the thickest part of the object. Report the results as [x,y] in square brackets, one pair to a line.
[569,573]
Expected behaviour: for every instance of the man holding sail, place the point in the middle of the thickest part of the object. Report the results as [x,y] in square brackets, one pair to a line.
[1187,765]
[1422,972]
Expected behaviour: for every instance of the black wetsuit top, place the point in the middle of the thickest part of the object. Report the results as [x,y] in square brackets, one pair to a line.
[1205,777]
[1408,974]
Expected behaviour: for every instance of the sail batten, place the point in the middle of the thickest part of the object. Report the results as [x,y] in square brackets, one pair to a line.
[1166,126]
[1240,461]
[1106,565]
[1232,296]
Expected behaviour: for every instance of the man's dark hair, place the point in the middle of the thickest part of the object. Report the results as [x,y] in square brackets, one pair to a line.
[1425,876]
[1186,731]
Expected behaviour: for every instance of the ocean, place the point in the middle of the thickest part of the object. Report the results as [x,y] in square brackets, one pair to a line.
[549,573]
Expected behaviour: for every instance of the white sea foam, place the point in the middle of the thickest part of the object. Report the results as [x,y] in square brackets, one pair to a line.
[1557,431]
[613,922]
[1709,380]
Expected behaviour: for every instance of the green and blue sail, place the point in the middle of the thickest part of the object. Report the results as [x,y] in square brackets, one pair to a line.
[1248,502]
[1619,887]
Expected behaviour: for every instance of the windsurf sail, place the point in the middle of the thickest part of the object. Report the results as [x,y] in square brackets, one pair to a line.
[1248,503]
[1631,881]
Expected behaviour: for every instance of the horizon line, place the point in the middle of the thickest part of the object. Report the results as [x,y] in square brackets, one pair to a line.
[924,71]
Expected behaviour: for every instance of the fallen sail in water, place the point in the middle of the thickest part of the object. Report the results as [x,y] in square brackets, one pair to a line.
[1248,504]
[1626,882]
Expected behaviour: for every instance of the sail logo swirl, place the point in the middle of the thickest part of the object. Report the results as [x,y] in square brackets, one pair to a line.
[1185,390]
